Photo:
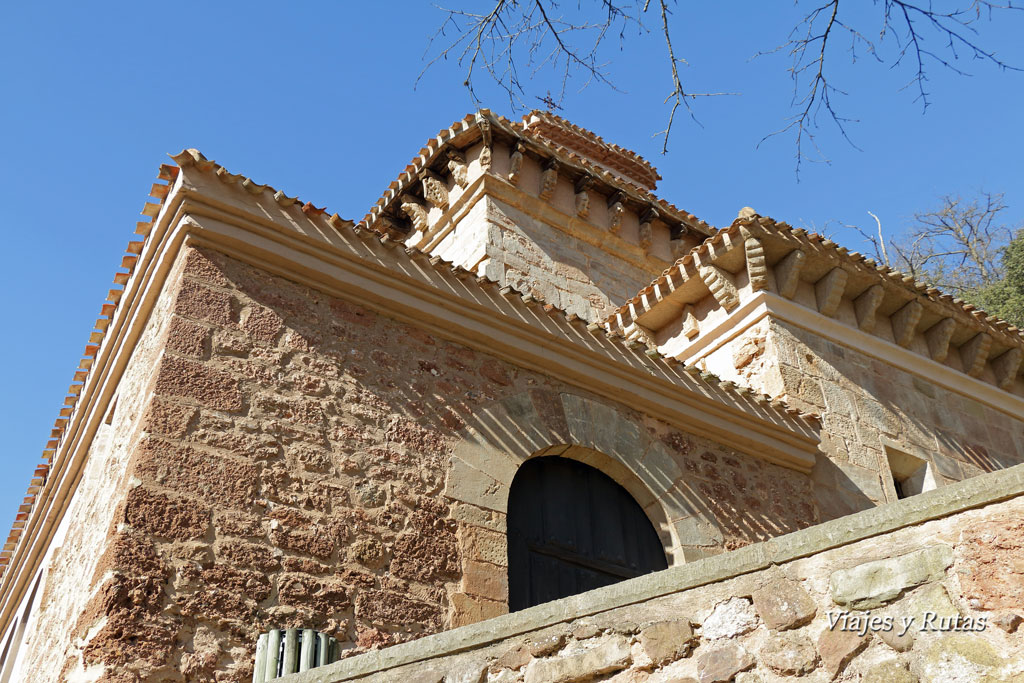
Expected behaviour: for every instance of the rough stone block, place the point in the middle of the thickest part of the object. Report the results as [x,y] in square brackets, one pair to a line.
[187,338]
[660,468]
[784,604]
[199,382]
[515,658]
[990,563]
[891,671]
[162,515]
[729,619]
[203,303]
[876,583]
[837,648]
[790,654]
[721,664]
[607,655]
[485,580]
[896,638]
[960,658]
[483,545]
[470,485]
[666,641]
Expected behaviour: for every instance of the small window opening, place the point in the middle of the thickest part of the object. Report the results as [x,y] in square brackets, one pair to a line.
[910,475]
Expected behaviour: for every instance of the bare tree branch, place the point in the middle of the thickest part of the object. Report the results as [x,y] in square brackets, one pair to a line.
[535,34]
[956,247]
[531,35]
[909,24]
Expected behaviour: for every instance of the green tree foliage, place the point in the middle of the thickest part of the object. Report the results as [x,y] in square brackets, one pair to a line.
[965,247]
[1005,298]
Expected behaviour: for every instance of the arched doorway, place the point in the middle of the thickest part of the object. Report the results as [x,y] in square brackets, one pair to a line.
[571,528]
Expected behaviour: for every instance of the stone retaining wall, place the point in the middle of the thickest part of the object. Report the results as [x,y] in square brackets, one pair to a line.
[930,588]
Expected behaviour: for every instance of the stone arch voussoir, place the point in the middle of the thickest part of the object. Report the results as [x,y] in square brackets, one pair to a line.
[498,439]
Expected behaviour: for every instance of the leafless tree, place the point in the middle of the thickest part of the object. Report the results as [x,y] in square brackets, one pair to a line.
[957,246]
[511,40]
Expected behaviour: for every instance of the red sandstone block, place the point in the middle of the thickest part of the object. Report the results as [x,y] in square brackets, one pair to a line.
[187,338]
[199,382]
[202,303]
[162,515]
[215,479]
[168,419]
[200,264]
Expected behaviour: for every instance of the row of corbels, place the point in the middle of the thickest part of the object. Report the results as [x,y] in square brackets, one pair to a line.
[830,289]
[616,201]
[642,195]
[419,174]
[594,138]
[829,292]
[894,275]
[411,173]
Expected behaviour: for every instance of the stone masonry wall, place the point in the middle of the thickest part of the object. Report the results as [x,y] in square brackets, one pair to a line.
[566,270]
[291,471]
[75,569]
[867,405]
[541,243]
[937,602]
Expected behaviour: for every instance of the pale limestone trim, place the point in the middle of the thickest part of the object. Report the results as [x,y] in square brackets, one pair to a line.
[126,327]
[778,308]
[977,492]
[583,230]
[749,313]
[502,437]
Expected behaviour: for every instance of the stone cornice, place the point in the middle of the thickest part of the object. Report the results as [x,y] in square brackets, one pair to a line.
[486,127]
[409,288]
[501,189]
[777,308]
[840,288]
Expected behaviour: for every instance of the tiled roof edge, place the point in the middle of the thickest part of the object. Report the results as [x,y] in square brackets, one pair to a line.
[68,414]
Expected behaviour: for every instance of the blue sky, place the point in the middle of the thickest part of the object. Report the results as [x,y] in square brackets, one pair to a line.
[318,100]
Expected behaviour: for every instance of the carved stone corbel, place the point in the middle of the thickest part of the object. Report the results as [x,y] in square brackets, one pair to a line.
[938,337]
[690,326]
[1006,367]
[721,286]
[582,196]
[416,212]
[974,353]
[616,210]
[646,234]
[829,291]
[548,179]
[457,165]
[515,164]
[787,272]
[904,323]
[866,305]
[434,190]
[757,268]
[485,153]
[393,228]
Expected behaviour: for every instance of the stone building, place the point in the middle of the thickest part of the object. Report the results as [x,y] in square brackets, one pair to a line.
[521,375]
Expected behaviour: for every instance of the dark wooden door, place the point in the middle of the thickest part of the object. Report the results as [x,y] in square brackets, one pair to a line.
[571,528]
